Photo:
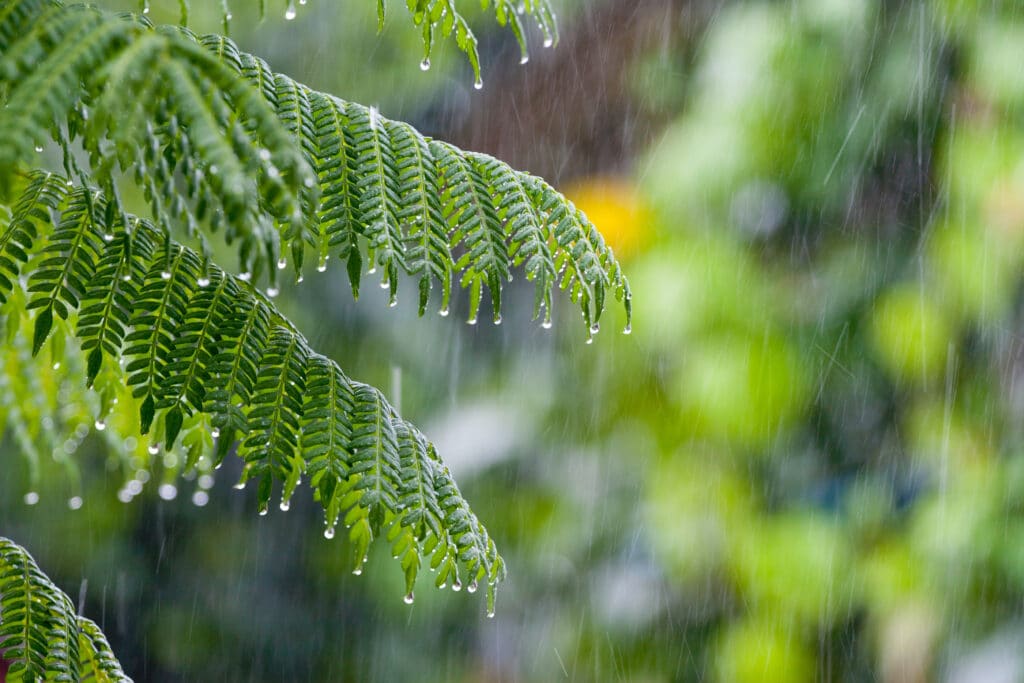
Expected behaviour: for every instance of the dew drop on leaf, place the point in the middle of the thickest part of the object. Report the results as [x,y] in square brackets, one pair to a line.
[100,425]
[409,597]
[75,502]
[290,13]
[329,532]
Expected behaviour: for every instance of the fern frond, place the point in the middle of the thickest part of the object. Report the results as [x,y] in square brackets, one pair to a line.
[208,350]
[40,634]
[218,137]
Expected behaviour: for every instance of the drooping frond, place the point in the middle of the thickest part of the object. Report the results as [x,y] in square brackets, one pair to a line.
[41,637]
[204,353]
[217,140]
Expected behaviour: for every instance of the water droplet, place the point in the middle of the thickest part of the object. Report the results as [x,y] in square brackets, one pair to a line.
[39,148]
[168,491]
[628,329]
[322,266]
[203,282]
[272,292]
[165,275]
[329,532]
[472,586]
[245,276]
[263,509]
[200,498]
[300,279]
[524,59]
[239,486]
[457,586]
[372,270]
[265,155]
[290,13]
[409,597]
[444,312]
[497,319]
[108,237]
[206,481]
[75,502]
[100,425]
[127,277]
[595,328]
[548,42]
[153,449]
[443,585]
[282,264]
[590,340]
[31,498]
[490,614]
[384,284]
[478,84]
[286,505]
[56,366]
[546,324]
[124,495]
[145,8]
[471,321]
[215,432]
[228,16]
[425,64]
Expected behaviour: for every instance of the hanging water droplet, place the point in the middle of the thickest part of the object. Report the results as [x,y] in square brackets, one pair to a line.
[290,13]
[384,284]
[165,275]
[425,64]
[75,502]
[168,491]
[524,59]
[497,319]
[329,532]
[628,329]
[215,432]
[282,264]
[471,321]
[595,328]
[444,312]
[200,498]
[322,266]
[263,509]
[457,586]
[372,270]
[478,84]
[245,276]
[472,586]
[239,486]
[228,16]
[39,148]
[203,282]
[272,292]
[286,505]
[108,237]
[31,498]
[153,449]
[393,302]
[590,340]
[127,277]
[299,279]
[56,366]
[100,425]
[548,42]
[546,324]
[409,597]
[490,613]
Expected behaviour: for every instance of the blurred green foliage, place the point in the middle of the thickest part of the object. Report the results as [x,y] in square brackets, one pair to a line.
[805,464]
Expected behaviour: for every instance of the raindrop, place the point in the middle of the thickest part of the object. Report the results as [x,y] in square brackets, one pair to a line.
[108,237]
[384,284]
[282,264]
[546,324]
[471,321]
[290,13]
[497,319]
[358,571]
[444,312]
[206,481]
[263,509]
[75,502]
[31,498]
[168,491]
[490,614]
[329,532]
[215,432]
[100,425]
[322,266]
[392,303]
[127,277]
[145,7]
[203,282]
[595,328]
[524,59]
[200,498]
[628,329]
[56,366]
[153,449]
[457,586]
[228,16]
[472,586]
[265,154]
[372,270]
[39,148]
[409,597]
[245,277]
[425,64]
[478,84]
[590,340]
[165,275]
[300,279]
[285,505]
[548,42]
[272,292]
[239,486]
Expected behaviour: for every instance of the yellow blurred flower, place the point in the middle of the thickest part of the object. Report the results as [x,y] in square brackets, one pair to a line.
[615,207]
